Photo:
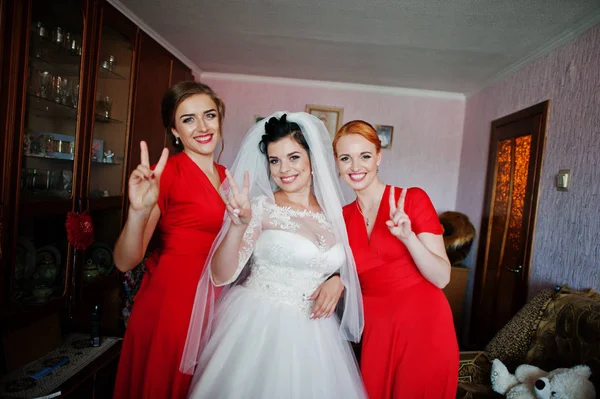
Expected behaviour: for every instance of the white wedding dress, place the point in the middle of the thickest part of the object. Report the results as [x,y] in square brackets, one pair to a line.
[264,345]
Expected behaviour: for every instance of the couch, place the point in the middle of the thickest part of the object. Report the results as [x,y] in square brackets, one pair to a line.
[556,328]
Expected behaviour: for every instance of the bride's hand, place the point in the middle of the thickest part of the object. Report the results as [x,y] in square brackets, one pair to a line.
[326,297]
[238,203]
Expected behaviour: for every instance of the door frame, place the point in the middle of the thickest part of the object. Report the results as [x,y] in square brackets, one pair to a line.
[536,156]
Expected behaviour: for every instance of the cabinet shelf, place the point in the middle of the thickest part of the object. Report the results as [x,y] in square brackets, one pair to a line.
[44,48]
[29,300]
[20,315]
[108,74]
[32,206]
[67,160]
[104,119]
[50,158]
[103,203]
[67,67]
[100,284]
[47,108]
[57,69]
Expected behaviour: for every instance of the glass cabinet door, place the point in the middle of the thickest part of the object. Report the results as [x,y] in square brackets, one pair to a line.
[49,138]
[110,142]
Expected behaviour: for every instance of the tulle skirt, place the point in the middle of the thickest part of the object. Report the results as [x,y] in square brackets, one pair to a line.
[262,348]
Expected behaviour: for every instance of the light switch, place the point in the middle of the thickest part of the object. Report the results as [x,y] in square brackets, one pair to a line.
[562,179]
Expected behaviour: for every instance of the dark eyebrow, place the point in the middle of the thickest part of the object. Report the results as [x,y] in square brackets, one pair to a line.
[289,155]
[205,112]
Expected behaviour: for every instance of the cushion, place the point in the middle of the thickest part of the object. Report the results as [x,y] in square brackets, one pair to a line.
[474,367]
[569,333]
[512,342]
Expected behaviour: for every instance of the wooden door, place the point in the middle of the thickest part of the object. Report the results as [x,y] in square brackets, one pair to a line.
[3,141]
[502,271]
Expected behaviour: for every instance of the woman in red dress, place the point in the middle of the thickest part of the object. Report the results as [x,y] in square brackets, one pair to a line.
[409,346]
[180,196]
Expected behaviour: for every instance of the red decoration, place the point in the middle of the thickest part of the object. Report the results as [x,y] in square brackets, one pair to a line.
[80,229]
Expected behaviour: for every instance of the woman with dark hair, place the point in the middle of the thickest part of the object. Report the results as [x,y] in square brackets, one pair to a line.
[284,261]
[181,197]
[409,347]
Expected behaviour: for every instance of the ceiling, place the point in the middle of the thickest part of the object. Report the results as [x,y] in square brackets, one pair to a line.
[444,45]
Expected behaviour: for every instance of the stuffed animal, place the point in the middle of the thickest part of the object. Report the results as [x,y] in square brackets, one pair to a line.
[530,382]
[567,383]
[459,234]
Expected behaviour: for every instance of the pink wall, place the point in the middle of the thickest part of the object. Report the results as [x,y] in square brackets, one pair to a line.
[427,137]
[566,247]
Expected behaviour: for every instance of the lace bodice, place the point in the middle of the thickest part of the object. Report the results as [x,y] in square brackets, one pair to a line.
[289,253]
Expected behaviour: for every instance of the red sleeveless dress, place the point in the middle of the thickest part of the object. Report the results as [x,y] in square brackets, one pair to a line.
[191,217]
[409,346]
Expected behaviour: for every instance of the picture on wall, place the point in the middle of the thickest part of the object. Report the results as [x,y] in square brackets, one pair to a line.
[331,116]
[385,133]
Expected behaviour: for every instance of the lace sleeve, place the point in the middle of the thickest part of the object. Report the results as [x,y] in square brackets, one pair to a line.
[249,240]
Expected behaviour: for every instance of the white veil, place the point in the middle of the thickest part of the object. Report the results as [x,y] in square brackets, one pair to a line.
[326,188]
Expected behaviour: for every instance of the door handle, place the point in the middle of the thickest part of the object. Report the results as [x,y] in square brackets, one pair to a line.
[515,270]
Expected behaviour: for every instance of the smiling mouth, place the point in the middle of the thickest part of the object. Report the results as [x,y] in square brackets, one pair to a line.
[204,138]
[288,179]
[357,177]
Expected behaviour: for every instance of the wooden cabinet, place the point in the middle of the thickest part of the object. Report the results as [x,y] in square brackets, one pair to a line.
[157,70]
[179,72]
[455,292]
[80,86]
[154,75]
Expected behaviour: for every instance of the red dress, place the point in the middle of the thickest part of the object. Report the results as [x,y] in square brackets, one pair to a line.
[409,346]
[191,217]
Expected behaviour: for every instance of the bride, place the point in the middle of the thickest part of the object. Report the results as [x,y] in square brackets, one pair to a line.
[283,259]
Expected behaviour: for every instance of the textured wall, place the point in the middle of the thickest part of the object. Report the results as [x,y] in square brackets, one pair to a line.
[427,131]
[566,245]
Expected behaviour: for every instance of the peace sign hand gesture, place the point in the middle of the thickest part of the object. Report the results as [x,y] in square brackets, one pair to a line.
[399,223]
[144,183]
[238,203]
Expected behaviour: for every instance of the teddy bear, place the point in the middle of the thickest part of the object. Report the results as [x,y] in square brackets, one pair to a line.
[530,382]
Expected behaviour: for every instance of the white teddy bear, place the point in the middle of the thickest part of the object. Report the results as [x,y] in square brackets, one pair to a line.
[530,382]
